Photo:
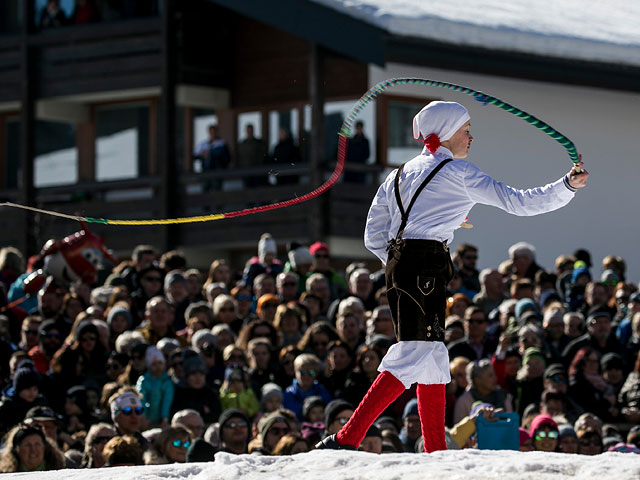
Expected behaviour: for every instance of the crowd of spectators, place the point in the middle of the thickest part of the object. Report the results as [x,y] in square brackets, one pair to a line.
[161,363]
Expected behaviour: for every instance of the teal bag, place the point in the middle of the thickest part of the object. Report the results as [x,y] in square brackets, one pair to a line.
[501,434]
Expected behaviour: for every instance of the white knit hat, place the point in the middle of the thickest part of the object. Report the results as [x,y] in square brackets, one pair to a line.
[266,245]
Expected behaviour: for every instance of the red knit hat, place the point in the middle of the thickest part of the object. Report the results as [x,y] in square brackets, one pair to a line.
[540,421]
[318,246]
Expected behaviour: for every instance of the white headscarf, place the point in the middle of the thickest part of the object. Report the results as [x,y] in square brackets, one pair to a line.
[441,118]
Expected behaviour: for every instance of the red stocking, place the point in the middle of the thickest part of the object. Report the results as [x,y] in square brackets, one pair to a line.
[384,390]
[431,405]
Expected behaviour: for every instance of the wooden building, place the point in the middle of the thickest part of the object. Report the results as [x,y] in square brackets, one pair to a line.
[104,119]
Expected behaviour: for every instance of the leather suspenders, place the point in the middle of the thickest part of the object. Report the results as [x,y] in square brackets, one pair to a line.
[397,242]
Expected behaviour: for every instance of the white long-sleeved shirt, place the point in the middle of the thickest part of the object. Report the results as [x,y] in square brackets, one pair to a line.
[446,201]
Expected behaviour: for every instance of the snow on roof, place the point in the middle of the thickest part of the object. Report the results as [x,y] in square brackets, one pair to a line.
[592,30]
[468,464]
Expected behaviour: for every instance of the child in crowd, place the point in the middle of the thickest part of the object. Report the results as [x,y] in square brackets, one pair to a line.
[236,393]
[307,368]
[156,388]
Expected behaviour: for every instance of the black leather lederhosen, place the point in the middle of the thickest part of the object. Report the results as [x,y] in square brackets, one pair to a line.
[417,275]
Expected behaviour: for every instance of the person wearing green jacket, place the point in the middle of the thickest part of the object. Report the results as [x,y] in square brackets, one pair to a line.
[236,393]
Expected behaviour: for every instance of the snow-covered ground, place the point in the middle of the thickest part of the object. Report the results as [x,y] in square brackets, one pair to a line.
[334,465]
[592,30]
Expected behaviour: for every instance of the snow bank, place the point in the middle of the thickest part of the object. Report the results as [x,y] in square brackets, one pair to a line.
[333,465]
[590,30]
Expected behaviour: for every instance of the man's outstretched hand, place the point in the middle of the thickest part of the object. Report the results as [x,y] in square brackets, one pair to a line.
[578,179]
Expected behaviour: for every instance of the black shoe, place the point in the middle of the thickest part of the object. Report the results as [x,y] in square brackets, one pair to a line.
[331,443]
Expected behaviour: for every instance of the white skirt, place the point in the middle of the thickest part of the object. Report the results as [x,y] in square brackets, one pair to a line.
[417,361]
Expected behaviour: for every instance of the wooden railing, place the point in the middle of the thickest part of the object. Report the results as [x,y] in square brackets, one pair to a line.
[344,207]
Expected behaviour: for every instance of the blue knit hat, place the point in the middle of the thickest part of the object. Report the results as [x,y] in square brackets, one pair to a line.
[411,408]
[523,305]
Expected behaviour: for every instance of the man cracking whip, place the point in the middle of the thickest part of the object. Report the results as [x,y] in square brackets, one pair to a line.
[410,222]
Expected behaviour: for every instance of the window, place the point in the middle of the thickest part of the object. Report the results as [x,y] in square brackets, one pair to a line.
[10,16]
[401,144]
[122,141]
[56,160]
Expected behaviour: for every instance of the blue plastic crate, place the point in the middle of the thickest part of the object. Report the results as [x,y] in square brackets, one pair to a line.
[501,434]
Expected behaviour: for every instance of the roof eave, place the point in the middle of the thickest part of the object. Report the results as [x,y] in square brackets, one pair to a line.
[419,51]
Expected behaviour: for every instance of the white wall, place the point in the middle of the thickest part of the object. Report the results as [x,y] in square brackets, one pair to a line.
[604,126]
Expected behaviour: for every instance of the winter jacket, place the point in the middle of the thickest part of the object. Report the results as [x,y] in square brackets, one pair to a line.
[13,409]
[157,396]
[245,400]
[294,396]
[204,400]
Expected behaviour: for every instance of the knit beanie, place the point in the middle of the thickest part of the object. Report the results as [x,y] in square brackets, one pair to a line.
[333,408]
[540,421]
[25,377]
[230,413]
[524,436]
[153,354]
[193,364]
[311,402]
[411,408]
[566,430]
[86,326]
[269,390]
[531,352]
[118,310]
[172,277]
[579,271]
[523,305]
[442,119]
[78,395]
[266,245]
[267,422]
[300,256]
[126,399]
[203,335]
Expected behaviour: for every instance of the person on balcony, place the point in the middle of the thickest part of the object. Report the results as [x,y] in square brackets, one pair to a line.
[214,151]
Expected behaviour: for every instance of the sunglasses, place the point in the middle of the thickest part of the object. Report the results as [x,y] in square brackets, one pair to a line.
[104,439]
[542,435]
[319,344]
[244,298]
[321,255]
[222,310]
[558,379]
[238,356]
[311,373]
[127,411]
[470,257]
[236,424]
[88,339]
[289,284]
[181,444]
[30,332]
[113,366]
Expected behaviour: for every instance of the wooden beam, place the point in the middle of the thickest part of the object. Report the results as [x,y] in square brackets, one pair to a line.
[27,130]
[317,156]
[166,133]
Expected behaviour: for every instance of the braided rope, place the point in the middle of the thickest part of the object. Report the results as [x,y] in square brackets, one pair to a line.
[345,131]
